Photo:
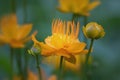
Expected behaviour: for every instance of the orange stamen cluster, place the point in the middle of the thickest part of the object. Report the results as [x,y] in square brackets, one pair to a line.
[65,28]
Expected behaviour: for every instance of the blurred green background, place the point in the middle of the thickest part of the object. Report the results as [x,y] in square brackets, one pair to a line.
[40,13]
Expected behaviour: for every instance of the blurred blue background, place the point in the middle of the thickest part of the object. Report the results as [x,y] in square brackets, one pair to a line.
[40,13]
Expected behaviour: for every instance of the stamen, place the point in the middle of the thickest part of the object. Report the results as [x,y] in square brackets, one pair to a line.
[68,28]
[63,31]
[53,26]
[72,29]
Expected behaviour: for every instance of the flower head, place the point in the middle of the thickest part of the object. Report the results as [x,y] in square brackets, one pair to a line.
[93,31]
[63,41]
[13,34]
[80,7]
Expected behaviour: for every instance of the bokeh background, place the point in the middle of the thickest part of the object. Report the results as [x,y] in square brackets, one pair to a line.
[40,13]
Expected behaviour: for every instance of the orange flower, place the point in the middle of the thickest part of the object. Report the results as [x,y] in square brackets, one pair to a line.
[12,33]
[63,41]
[80,7]
[30,76]
[53,77]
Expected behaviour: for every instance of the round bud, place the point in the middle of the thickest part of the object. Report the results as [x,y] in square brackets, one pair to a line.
[93,31]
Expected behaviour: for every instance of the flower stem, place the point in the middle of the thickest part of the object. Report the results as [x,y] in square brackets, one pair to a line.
[85,23]
[38,67]
[25,12]
[25,64]
[90,48]
[87,58]
[85,20]
[18,58]
[75,18]
[11,61]
[13,5]
[61,68]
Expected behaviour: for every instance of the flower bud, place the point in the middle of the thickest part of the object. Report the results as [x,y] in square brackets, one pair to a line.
[93,31]
[35,50]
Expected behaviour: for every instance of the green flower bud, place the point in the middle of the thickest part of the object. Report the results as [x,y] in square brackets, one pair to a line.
[93,31]
[35,50]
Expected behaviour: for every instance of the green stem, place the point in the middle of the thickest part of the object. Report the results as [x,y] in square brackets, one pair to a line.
[19,62]
[85,23]
[90,49]
[75,18]
[38,67]
[25,64]
[25,13]
[85,20]
[11,61]
[25,54]
[87,59]
[61,68]
[13,6]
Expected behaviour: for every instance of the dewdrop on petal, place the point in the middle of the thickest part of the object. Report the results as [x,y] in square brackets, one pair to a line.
[93,31]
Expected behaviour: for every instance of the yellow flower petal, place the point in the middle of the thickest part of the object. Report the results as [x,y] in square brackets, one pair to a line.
[9,26]
[76,47]
[62,52]
[75,66]
[23,31]
[3,39]
[92,5]
[17,77]
[53,77]
[46,50]
[84,51]
[16,44]
[71,59]
[79,7]
[11,33]
[63,5]
[32,76]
